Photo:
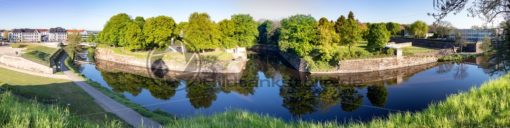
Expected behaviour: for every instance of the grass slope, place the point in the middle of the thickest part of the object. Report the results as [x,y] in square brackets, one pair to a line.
[487,106]
[39,54]
[19,113]
[58,92]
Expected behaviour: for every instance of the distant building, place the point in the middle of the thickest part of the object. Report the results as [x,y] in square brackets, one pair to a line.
[24,35]
[473,35]
[45,35]
[3,36]
[57,34]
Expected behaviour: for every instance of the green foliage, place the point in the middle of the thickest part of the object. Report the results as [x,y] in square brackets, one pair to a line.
[297,34]
[159,31]
[328,40]
[180,28]
[486,44]
[393,28]
[419,29]
[113,31]
[442,29]
[201,33]
[73,43]
[227,29]
[245,30]
[349,30]
[455,57]
[377,37]
[92,38]
[140,21]
[134,37]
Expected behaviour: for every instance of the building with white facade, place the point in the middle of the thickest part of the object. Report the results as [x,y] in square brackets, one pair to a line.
[57,34]
[473,35]
[24,35]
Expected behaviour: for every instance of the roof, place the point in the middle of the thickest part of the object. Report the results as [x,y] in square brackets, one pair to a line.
[57,30]
[42,30]
[75,31]
[24,30]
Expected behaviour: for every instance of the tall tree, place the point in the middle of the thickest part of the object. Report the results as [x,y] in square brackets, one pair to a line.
[201,33]
[227,29]
[297,34]
[327,39]
[340,22]
[377,37]
[245,31]
[73,44]
[134,37]
[113,31]
[140,21]
[442,29]
[159,31]
[394,28]
[419,29]
[350,34]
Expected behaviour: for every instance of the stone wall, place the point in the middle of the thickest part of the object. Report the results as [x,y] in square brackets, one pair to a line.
[188,65]
[294,61]
[24,64]
[378,64]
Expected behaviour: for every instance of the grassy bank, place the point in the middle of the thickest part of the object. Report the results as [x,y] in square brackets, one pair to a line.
[487,106]
[19,113]
[37,53]
[456,57]
[62,93]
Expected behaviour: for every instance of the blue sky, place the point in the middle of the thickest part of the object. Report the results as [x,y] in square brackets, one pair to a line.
[93,14]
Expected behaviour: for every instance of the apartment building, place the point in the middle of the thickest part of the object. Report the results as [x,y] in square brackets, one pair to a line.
[57,34]
[24,35]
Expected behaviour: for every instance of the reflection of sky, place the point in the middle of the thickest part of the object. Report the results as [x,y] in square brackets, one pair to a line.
[413,94]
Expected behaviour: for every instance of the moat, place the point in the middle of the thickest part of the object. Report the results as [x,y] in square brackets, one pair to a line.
[268,86]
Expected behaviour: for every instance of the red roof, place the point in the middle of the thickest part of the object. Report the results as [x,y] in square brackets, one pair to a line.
[75,31]
[42,30]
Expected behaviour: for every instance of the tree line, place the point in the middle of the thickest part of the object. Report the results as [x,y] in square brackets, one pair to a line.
[198,34]
[299,34]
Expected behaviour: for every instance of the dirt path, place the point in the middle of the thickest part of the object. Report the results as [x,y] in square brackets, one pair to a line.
[125,113]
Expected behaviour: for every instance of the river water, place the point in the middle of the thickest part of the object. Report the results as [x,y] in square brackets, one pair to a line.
[268,86]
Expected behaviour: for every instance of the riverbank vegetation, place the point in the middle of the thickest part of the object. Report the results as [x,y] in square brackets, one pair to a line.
[57,97]
[456,57]
[485,106]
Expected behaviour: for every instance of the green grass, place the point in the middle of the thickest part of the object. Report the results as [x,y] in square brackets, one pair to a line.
[39,54]
[487,106]
[455,57]
[413,50]
[20,113]
[124,51]
[62,93]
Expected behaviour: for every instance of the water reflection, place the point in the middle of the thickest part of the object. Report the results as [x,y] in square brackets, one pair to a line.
[267,86]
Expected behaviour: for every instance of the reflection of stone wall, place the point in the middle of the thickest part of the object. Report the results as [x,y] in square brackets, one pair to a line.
[232,66]
[24,64]
[398,75]
[109,66]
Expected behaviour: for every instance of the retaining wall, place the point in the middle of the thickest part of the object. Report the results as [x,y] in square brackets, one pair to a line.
[24,64]
[192,65]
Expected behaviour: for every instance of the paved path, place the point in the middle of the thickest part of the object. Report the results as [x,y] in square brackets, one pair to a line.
[125,113]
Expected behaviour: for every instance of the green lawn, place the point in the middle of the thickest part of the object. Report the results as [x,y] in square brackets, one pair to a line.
[39,54]
[487,106]
[62,93]
[413,50]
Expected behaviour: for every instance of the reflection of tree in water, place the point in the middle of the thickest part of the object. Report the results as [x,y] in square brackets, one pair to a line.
[377,94]
[125,82]
[201,94]
[329,95]
[351,100]
[298,99]
[444,68]
[460,71]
